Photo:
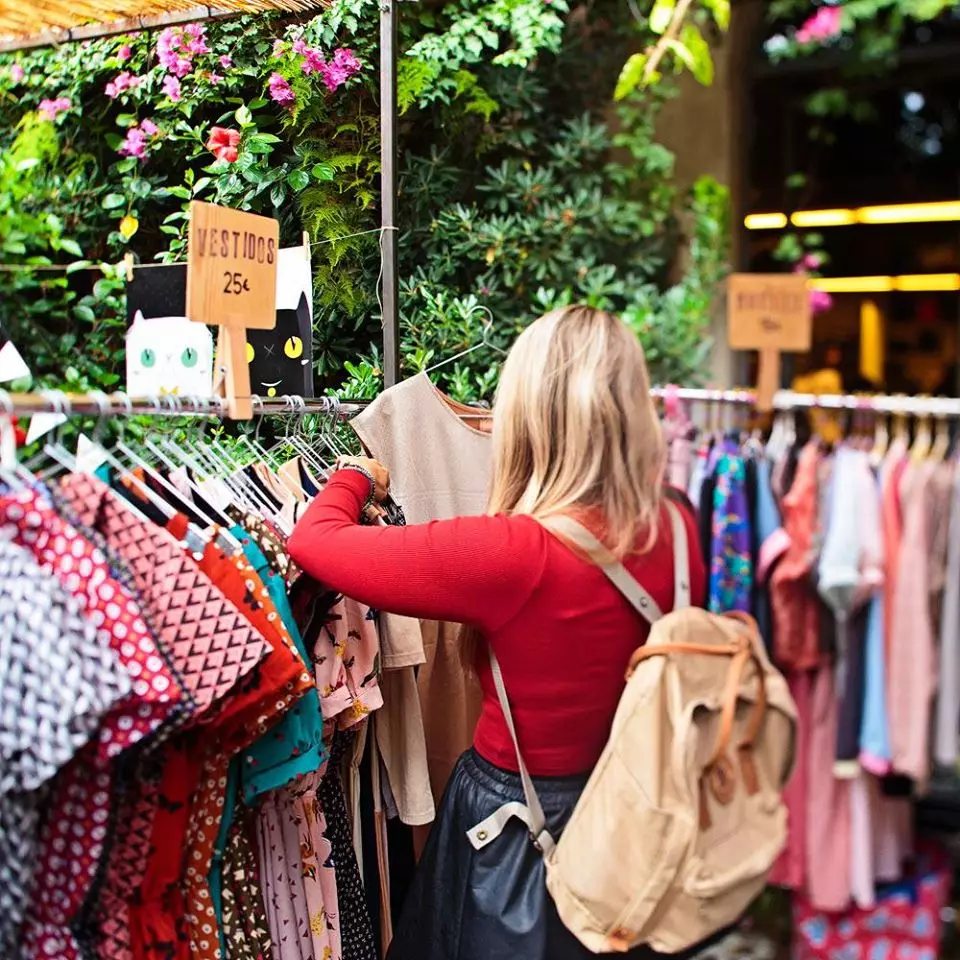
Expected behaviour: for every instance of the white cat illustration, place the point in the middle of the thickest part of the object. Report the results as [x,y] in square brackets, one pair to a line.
[169,355]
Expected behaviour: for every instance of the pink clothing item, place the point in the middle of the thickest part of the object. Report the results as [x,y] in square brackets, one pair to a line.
[828,804]
[891,472]
[771,550]
[790,869]
[862,847]
[314,855]
[911,647]
[284,894]
[347,663]
[793,600]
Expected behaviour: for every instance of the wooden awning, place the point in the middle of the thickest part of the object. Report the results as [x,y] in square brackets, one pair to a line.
[32,23]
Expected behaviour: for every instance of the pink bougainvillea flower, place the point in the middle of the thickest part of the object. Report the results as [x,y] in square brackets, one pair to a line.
[313,62]
[280,90]
[51,109]
[340,69]
[300,47]
[125,53]
[17,73]
[224,143]
[214,78]
[226,62]
[177,46]
[135,143]
[149,127]
[810,261]
[823,25]
[171,87]
[125,81]
[820,300]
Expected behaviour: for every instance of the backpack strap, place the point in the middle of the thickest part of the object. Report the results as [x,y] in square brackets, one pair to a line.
[532,812]
[577,534]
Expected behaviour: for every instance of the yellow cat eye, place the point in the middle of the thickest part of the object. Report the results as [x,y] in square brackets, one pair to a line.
[293,347]
[250,353]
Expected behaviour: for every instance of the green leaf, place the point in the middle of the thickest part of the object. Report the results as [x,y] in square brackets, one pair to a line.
[244,116]
[126,120]
[661,15]
[113,201]
[323,172]
[699,49]
[201,184]
[140,187]
[630,75]
[298,179]
[83,312]
[721,12]
[71,247]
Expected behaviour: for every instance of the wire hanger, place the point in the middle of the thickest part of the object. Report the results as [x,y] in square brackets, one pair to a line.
[484,342]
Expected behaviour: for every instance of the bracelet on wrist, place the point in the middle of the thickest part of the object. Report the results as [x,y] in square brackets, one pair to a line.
[372,496]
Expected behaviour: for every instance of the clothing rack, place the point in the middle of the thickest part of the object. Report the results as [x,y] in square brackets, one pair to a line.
[121,404]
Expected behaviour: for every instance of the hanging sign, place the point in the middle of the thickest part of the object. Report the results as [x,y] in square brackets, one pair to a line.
[232,284]
[769,313]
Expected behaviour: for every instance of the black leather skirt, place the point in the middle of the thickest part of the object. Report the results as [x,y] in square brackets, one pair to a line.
[491,904]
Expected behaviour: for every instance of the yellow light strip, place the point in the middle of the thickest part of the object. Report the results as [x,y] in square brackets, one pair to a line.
[910,213]
[942,211]
[906,283]
[765,221]
[823,218]
[852,284]
[928,281]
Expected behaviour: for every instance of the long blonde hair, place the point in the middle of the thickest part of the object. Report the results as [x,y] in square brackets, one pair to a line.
[575,427]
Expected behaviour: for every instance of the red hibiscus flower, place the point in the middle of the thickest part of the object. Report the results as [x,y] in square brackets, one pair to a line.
[224,144]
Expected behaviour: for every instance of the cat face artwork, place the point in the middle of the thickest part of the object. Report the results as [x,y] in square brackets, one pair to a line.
[281,360]
[169,355]
[166,352]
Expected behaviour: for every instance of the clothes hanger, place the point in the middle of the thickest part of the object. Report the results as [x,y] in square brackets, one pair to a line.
[487,329]
[922,440]
[941,443]
[218,517]
[881,439]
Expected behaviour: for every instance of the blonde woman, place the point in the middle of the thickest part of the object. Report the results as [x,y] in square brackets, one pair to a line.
[575,433]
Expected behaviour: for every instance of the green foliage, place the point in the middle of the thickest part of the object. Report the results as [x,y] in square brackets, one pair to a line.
[673,36]
[518,190]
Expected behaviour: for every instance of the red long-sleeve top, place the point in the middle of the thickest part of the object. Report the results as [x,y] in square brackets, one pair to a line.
[562,633]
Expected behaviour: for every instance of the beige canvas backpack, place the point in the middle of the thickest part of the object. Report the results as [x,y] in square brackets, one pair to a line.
[682,818]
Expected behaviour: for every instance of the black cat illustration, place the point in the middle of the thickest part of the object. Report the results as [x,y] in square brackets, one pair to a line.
[281,359]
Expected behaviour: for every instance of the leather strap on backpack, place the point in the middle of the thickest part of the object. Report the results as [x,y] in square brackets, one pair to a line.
[568,529]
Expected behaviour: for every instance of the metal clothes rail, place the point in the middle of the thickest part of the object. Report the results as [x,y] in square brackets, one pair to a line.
[121,404]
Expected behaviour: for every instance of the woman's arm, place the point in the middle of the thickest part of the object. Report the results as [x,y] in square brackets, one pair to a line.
[475,570]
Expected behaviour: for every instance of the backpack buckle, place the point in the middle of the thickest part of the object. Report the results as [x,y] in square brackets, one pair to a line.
[542,842]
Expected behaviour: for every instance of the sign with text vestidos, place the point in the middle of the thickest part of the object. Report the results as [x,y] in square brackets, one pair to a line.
[232,267]
[769,313]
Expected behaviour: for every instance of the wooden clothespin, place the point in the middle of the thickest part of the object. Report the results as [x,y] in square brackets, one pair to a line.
[128,266]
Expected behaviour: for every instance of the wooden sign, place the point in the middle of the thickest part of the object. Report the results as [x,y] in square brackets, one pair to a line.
[770,313]
[232,284]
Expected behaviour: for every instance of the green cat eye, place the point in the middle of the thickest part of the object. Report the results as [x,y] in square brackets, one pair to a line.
[148,358]
[189,357]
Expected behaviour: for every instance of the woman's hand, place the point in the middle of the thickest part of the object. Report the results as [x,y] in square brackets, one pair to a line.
[380,474]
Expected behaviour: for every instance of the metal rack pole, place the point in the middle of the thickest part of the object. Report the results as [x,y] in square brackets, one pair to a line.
[388,190]
[121,404]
